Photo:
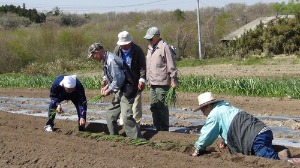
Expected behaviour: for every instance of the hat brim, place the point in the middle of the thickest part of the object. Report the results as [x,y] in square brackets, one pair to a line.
[148,36]
[207,103]
[70,86]
[123,43]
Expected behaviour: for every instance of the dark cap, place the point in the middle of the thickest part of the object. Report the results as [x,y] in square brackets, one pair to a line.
[94,47]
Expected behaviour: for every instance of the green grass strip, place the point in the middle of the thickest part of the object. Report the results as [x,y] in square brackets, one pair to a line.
[250,86]
[39,81]
[243,86]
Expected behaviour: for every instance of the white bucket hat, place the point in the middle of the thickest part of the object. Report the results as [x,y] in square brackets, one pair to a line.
[69,81]
[205,99]
[124,38]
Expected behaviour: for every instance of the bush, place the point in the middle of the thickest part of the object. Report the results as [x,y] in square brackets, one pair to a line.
[13,21]
[72,20]
[59,66]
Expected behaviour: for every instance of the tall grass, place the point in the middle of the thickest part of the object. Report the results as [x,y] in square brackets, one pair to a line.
[60,66]
[250,86]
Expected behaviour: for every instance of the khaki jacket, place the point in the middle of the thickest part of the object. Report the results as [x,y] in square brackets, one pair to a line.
[161,67]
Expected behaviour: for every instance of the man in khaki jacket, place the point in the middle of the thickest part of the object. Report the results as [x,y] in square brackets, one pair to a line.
[161,74]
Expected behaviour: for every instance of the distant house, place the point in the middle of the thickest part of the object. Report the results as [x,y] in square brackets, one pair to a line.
[252,26]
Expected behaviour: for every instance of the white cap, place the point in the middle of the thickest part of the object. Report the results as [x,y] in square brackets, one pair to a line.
[151,32]
[124,38]
[69,81]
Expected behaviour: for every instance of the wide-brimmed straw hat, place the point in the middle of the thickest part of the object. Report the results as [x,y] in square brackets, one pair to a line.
[205,99]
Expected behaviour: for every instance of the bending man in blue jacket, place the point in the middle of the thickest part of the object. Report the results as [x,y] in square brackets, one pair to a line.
[67,88]
[240,131]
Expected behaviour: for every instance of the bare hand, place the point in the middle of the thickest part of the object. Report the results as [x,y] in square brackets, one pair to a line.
[104,83]
[173,84]
[104,90]
[82,122]
[222,145]
[59,109]
[106,93]
[194,154]
[141,86]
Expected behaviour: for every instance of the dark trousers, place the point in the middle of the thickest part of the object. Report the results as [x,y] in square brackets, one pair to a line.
[160,111]
[262,146]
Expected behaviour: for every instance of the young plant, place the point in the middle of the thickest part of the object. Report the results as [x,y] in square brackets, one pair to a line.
[53,113]
[135,142]
[96,98]
[72,130]
[171,97]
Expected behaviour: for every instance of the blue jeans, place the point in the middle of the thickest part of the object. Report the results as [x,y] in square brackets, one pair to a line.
[262,146]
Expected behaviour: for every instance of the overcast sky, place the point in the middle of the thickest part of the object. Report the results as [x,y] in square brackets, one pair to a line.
[102,6]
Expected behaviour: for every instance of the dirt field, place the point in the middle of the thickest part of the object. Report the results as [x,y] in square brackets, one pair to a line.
[24,143]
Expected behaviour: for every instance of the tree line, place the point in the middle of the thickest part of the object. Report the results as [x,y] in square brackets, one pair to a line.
[32,14]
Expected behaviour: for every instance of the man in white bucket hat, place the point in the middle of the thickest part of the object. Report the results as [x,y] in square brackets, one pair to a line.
[67,87]
[134,57]
[240,131]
